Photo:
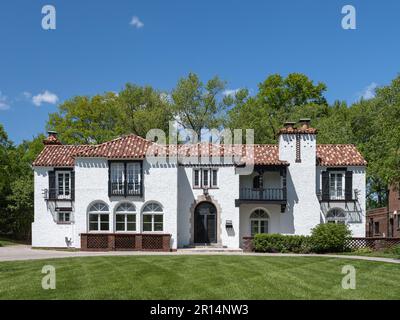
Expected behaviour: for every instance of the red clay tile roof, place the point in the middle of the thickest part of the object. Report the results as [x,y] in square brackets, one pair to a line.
[339,155]
[130,146]
[58,155]
[135,147]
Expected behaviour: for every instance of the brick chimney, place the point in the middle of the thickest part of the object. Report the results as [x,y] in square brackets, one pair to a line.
[52,139]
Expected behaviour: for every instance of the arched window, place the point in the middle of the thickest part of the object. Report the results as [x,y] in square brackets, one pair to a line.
[259,221]
[153,217]
[336,215]
[125,217]
[99,217]
[257,182]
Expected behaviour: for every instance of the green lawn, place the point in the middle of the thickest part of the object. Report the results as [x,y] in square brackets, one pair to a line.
[199,277]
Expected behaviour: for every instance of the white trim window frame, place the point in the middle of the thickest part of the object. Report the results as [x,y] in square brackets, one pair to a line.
[117,177]
[125,216]
[259,222]
[153,218]
[99,218]
[337,185]
[133,177]
[63,184]
[205,178]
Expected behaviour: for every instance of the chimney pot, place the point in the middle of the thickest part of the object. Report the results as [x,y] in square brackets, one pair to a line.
[305,123]
[289,124]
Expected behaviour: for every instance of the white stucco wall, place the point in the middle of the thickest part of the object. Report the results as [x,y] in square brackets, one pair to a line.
[45,231]
[91,185]
[356,210]
[224,195]
[302,211]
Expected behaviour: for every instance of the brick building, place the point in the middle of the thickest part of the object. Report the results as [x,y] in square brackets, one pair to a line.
[385,222]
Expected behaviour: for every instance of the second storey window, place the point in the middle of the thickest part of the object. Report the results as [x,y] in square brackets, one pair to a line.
[336,185]
[205,178]
[125,178]
[63,181]
[117,178]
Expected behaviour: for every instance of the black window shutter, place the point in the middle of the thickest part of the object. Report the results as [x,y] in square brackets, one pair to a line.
[325,186]
[72,185]
[52,185]
[109,178]
[348,193]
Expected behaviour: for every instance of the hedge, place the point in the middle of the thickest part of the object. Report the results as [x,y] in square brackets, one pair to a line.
[324,238]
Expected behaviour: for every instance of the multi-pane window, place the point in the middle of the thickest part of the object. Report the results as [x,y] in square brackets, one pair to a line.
[63,184]
[99,217]
[259,222]
[125,217]
[117,178]
[336,185]
[153,217]
[64,217]
[133,173]
[336,215]
[376,227]
[205,178]
[125,178]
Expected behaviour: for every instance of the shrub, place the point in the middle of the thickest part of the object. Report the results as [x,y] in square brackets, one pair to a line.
[363,250]
[275,243]
[329,237]
[394,250]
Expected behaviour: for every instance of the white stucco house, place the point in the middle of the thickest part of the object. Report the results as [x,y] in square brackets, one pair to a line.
[112,196]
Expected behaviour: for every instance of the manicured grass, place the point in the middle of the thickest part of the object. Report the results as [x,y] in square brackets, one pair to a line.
[199,277]
[380,254]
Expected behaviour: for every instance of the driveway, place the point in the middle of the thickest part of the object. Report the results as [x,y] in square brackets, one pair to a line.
[24,252]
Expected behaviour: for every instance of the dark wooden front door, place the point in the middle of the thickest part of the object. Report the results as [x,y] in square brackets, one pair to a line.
[205,223]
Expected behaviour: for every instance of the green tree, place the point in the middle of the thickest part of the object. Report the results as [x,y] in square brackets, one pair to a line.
[197,105]
[91,120]
[278,100]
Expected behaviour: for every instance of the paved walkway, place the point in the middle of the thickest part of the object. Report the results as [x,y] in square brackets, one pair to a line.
[23,252]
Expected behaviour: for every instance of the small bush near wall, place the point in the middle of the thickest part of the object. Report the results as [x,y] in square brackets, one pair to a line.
[329,237]
[275,243]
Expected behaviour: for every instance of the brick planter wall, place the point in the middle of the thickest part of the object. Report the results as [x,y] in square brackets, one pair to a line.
[125,242]
[248,245]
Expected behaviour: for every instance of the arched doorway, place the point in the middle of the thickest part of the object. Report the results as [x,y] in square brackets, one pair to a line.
[205,223]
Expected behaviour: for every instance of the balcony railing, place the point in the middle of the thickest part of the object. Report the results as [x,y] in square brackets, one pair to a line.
[132,189]
[56,194]
[335,195]
[268,194]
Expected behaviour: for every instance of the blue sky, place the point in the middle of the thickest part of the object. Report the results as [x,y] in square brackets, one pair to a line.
[95,48]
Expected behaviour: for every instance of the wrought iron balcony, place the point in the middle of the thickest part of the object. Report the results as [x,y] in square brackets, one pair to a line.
[267,194]
[125,189]
[58,194]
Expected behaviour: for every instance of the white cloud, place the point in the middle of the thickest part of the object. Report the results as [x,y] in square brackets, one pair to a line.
[368,92]
[45,97]
[4,104]
[135,22]
[230,92]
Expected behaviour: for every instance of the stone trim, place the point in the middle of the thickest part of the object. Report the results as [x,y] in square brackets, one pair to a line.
[211,199]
